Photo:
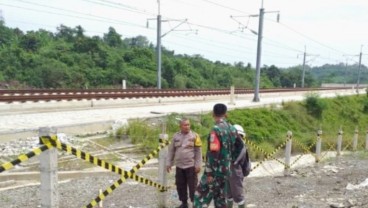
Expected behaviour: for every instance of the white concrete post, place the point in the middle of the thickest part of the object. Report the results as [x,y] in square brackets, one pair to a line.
[318,146]
[339,142]
[366,140]
[162,175]
[288,153]
[48,171]
[355,139]
[123,84]
[232,95]
[100,204]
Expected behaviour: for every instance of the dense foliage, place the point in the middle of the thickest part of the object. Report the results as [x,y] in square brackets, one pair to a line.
[340,73]
[70,59]
[267,127]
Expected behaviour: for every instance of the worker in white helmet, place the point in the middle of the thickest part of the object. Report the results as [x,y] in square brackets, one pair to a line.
[235,190]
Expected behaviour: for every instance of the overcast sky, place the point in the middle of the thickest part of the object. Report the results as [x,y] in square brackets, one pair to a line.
[329,29]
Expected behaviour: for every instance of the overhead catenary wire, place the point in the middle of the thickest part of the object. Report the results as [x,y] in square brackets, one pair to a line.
[307,37]
[225,7]
[117,5]
[91,18]
[120,6]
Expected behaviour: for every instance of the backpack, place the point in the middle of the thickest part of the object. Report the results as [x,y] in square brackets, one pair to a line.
[245,164]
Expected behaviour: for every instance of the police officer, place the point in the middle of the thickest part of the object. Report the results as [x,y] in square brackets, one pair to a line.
[220,142]
[186,151]
[236,190]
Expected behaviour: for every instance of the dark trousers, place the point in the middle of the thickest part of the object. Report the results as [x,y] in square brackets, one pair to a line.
[186,179]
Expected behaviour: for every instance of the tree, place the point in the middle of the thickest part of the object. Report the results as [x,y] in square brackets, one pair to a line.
[65,33]
[30,42]
[112,38]
[139,41]
[273,74]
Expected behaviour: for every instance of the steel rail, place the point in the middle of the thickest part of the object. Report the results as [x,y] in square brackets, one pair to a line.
[9,96]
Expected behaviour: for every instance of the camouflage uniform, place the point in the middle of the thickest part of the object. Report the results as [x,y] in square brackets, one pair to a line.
[217,166]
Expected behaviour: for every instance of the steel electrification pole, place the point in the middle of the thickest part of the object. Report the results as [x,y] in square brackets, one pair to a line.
[346,70]
[259,52]
[159,37]
[158,47]
[303,74]
[259,49]
[360,65]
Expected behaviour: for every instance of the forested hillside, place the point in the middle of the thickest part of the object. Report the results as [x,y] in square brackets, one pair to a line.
[340,73]
[70,59]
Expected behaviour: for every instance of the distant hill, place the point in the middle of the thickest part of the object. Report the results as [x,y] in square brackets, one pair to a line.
[70,59]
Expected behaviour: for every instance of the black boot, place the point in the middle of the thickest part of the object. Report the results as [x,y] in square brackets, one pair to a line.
[183,205]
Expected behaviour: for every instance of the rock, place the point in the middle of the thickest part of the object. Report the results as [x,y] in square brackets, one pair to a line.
[352,202]
[337,205]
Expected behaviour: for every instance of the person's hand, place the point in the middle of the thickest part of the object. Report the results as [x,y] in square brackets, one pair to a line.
[168,169]
[197,169]
[209,179]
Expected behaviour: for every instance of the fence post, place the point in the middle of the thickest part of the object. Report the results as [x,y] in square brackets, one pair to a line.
[339,142]
[232,95]
[318,146]
[288,153]
[366,140]
[355,139]
[100,204]
[123,84]
[48,172]
[162,175]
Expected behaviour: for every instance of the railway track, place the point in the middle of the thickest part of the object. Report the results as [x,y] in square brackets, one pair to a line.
[10,96]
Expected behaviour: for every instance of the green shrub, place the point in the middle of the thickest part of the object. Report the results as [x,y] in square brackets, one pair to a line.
[365,105]
[315,105]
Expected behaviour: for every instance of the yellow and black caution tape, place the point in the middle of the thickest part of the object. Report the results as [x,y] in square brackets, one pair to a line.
[23,157]
[330,147]
[361,145]
[94,160]
[117,183]
[305,148]
[267,155]
[296,160]
[148,157]
[347,146]
[88,157]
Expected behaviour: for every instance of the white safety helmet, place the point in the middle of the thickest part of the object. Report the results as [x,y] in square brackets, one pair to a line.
[239,129]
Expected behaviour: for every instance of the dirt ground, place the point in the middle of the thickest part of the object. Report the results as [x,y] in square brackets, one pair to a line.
[322,186]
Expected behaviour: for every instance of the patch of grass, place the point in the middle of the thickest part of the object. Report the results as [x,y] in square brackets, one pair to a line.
[267,127]
[106,141]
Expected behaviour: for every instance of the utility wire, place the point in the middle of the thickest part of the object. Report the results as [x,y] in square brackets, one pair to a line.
[101,19]
[113,20]
[307,37]
[129,8]
[120,6]
[212,44]
[72,11]
[50,26]
[208,51]
[226,7]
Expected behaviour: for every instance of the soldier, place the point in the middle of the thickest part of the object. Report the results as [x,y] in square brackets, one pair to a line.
[185,149]
[236,190]
[220,143]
